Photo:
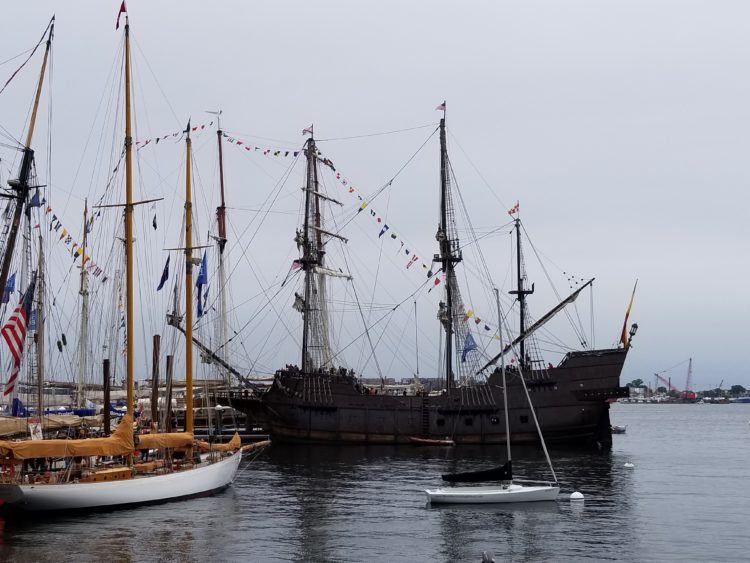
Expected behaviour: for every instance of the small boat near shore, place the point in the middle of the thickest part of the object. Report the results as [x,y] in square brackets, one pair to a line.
[417,441]
[616,429]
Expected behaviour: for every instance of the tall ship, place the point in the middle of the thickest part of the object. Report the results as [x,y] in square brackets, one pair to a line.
[322,401]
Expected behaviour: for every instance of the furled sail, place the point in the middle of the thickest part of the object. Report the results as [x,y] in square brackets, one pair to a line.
[119,443]
[165,440]
[234,444]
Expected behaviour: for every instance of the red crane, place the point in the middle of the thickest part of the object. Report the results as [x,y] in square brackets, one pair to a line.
[667,383]
[688,393]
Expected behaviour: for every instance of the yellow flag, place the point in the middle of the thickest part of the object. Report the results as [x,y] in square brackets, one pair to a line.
[624,336]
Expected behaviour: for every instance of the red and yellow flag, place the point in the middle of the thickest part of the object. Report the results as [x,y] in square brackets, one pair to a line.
[624,336]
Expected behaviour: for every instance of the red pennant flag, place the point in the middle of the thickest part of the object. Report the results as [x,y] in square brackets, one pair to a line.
[123,9]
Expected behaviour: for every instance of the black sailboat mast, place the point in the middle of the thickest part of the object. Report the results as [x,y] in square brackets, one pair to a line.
[447,258]
[521,294]
[21,185]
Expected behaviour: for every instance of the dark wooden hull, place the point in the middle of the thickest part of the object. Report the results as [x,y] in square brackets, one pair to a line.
[571,402]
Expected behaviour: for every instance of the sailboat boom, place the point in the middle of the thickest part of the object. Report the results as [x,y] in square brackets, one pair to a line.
[537,325]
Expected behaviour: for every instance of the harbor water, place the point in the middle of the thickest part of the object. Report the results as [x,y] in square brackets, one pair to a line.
[686,498]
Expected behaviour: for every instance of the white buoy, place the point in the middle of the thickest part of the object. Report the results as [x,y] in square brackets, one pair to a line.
[576,496]
[629,465]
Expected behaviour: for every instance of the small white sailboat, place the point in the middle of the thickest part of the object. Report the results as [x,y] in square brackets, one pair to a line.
[507,490]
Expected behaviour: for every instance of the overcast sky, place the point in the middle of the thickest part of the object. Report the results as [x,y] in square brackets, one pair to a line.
[620,126]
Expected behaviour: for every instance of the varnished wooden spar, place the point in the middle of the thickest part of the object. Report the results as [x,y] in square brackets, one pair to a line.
[256,446]
[129,324]
[188,286]
[39,337]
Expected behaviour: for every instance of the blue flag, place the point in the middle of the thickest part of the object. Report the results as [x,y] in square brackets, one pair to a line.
[203,273]
[10,287]
[35,201]
[200,282]
[469,345]
[164,275]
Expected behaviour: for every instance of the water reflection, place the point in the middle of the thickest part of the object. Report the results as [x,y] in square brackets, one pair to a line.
[318,503]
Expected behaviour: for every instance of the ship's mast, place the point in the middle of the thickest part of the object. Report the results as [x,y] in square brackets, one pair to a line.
[316,348]
[448,257]
[188,286]
[309,257]
[21,185]
[521,294]
[84,332]
[320,279]
[129,298]
[40,334]
[221,212]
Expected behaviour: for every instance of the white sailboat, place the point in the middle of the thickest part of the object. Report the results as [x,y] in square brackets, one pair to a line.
[117,488]
[76,478]
[508,490]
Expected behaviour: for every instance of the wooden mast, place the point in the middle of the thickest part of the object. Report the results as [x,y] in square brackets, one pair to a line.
[40,334]
[84,332]
[21,185]
[188,288]
[221,220]
[221,211]
[128,227]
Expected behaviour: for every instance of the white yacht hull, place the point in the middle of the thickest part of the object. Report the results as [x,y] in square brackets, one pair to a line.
[492,495]
[201,480]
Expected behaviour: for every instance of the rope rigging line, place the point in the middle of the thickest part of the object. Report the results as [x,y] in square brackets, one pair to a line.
[244,248]
[23,64]
[395,307]
[14,57]
[579,330]
[380,190]
[356,299]
[486,183]
[374,134]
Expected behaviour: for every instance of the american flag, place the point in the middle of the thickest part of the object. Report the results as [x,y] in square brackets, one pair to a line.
[513,210]
[14,333]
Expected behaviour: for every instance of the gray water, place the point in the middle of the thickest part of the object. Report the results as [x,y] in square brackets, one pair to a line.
[688,498]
